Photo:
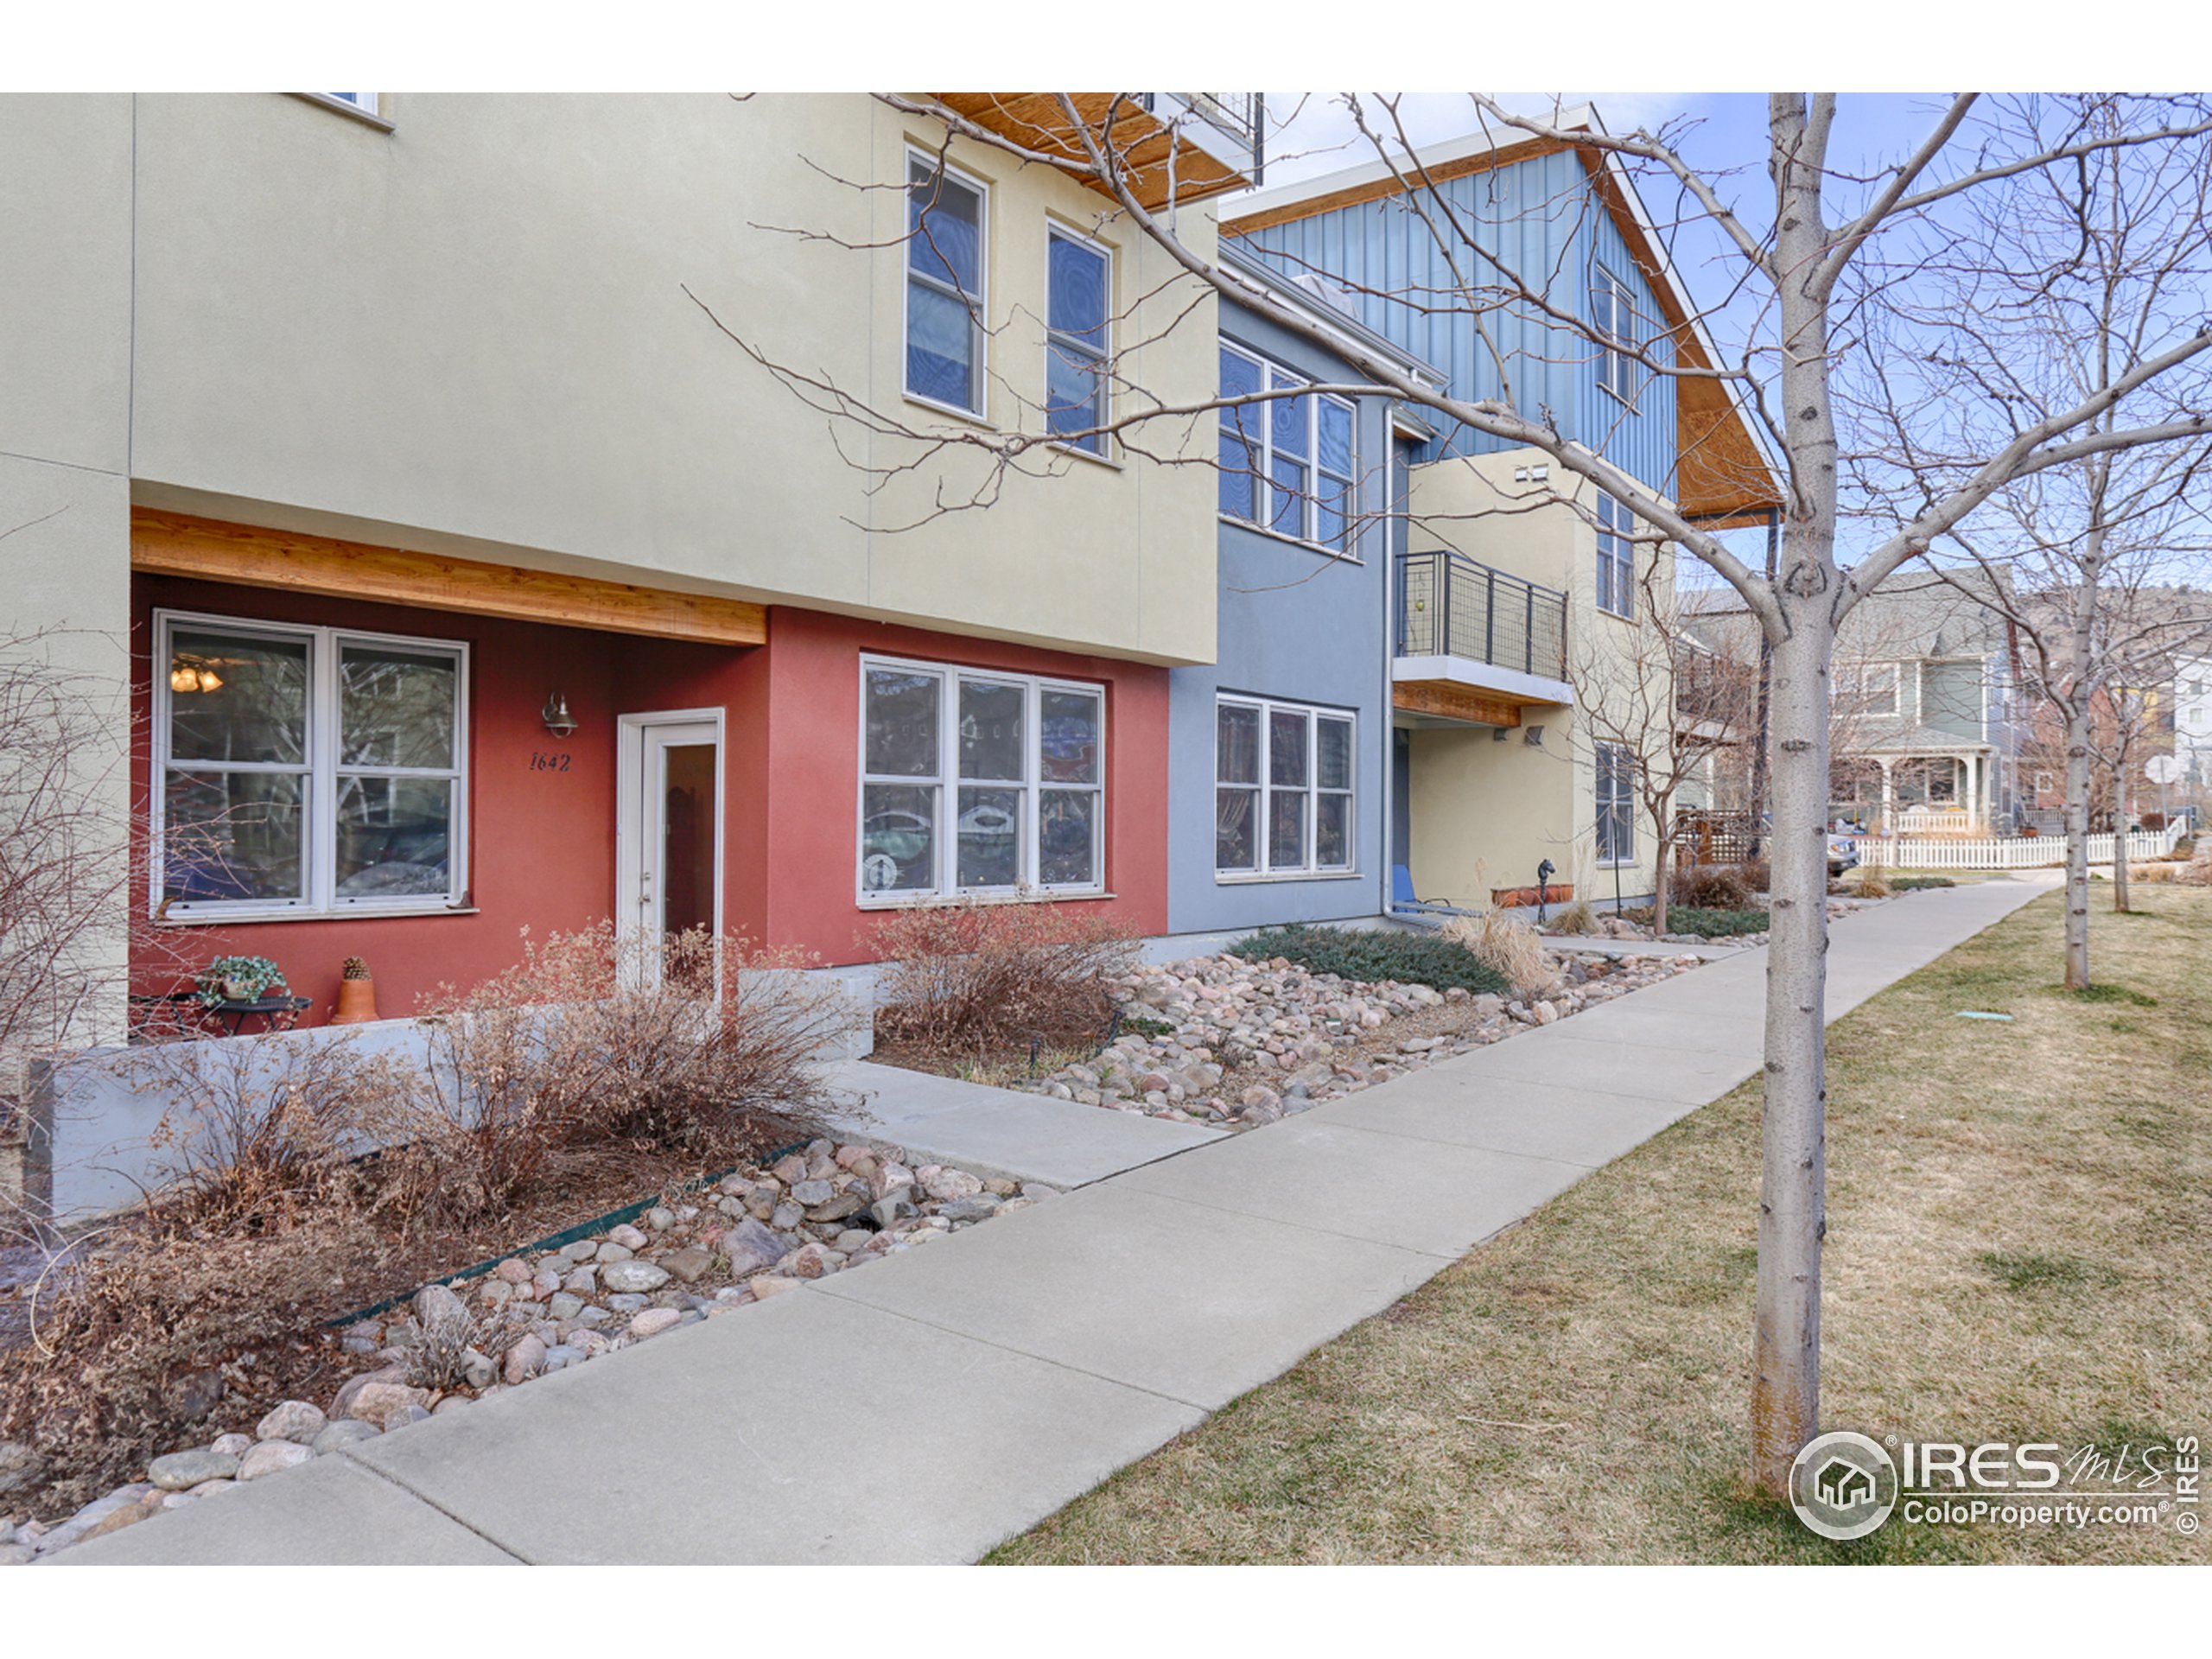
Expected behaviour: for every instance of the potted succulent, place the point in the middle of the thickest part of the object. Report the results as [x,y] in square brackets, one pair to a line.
[237,979]
[357,993]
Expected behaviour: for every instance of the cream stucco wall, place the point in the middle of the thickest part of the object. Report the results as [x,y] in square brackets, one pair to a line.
[1486,810]
[472,333]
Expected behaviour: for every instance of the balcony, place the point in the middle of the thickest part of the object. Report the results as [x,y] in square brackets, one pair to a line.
[1476,645]
[1199,143]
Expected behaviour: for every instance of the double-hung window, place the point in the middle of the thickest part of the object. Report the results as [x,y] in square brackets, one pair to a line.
[973,781]
[1616,557]
[305,771]
[1078,275]
[1866,687]
[1616,770]
[1612,320]
[944,286]
[1282,788]
[1286,461]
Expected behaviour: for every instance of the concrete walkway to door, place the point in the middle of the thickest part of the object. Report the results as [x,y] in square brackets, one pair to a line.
[938,1401]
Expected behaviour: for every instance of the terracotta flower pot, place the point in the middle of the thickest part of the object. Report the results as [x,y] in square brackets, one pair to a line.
[357,1002]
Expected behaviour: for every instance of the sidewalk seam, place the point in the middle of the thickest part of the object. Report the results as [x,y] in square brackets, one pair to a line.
[428,1501]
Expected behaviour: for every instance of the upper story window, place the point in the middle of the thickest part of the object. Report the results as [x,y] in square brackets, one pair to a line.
[1616,770]
[1612,320]
[1616,557]
[1079,286]
[945,285]
[1287,463]
[1282,788]
[306,772]
[365,102]
[1867,688]
[979,781]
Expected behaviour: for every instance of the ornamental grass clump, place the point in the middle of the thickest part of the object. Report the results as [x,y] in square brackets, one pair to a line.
[976,977]
[1509,947]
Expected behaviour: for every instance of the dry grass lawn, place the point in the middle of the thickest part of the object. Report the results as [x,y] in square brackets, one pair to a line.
[2019,1247]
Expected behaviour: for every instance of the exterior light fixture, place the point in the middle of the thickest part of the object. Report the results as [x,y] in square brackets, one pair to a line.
[558,720]
[1533,736]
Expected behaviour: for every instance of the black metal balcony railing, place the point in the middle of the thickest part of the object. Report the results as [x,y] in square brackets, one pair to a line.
[1449,605]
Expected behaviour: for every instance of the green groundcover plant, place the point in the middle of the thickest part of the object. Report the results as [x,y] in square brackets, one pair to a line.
[1370,954]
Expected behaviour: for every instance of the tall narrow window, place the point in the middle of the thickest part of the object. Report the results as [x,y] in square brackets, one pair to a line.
[944,286]
[1612,320]
[1290,471]
[1241,425]
[1076,341]
[1616,557]
[1616,810]
[1283,788]
[976,782]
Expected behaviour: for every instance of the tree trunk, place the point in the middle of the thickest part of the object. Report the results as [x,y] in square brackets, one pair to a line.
[1793,1188]
[1792,1183]
[2122,812]
[1662,878]
[2077,845]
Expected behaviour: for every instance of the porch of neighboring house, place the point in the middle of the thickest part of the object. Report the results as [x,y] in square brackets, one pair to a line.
[1481,785]
[1917,792]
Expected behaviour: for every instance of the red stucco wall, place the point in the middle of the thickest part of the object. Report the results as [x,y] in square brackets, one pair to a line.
[541,841]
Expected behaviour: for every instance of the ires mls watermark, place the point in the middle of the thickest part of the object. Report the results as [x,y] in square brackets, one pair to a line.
[1844,1486]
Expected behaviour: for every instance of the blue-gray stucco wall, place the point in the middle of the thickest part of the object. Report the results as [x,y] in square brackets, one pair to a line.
[1298,624]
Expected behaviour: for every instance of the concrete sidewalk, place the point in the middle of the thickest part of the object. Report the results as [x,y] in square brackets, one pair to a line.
[932,1404]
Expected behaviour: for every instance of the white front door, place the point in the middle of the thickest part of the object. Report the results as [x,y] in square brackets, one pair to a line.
[668,859]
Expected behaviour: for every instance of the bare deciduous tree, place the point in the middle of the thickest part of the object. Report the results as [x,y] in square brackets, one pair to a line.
[1799,281]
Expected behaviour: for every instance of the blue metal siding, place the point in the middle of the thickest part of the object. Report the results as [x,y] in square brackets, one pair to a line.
[1299,624]
[1540,220]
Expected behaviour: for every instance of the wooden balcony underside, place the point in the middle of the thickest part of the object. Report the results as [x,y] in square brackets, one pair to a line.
[1447,700]
[1153,154]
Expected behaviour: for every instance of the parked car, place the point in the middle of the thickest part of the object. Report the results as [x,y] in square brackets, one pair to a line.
[1843,854]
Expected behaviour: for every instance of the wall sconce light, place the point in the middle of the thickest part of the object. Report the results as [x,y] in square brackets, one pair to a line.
[558,720]
[1534,737]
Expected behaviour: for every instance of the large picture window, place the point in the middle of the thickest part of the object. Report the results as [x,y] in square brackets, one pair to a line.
[1080,278]
[305,771]
[979,781]
[944,286]
[1615,769]
[1866,687]
[1282,788]
[1616,557]
[1287,463]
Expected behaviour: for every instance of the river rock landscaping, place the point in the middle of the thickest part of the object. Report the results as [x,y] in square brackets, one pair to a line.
[756,1233]
[1232,1043]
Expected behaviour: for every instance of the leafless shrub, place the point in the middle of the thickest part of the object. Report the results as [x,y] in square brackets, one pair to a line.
[595,1037]
[1873,884]
[971,977]
[1509,946]
[446,1347]
[2198,873]
[1710,886]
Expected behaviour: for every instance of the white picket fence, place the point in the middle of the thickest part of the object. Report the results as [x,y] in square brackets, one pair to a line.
[2003,853]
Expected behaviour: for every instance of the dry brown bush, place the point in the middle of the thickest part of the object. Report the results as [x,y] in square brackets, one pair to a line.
[1871,883]
[597,1039]
[972,977]
[1758,878]
[137,1321]
[1577,919]
[1509,946]
[1709,886]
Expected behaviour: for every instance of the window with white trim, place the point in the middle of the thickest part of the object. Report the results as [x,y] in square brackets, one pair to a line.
[1283,788]
[1866,687]
[365,102]
[306,772]
[1078,287]
[1287,463]
[945,285]
[1616,557]
[1615,773]
[1612,320]
[973,781]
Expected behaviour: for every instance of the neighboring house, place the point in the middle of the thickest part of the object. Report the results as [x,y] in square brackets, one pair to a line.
[475,582]
[1499,604]
[1278,803]
[1927,720]
[2193,718]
